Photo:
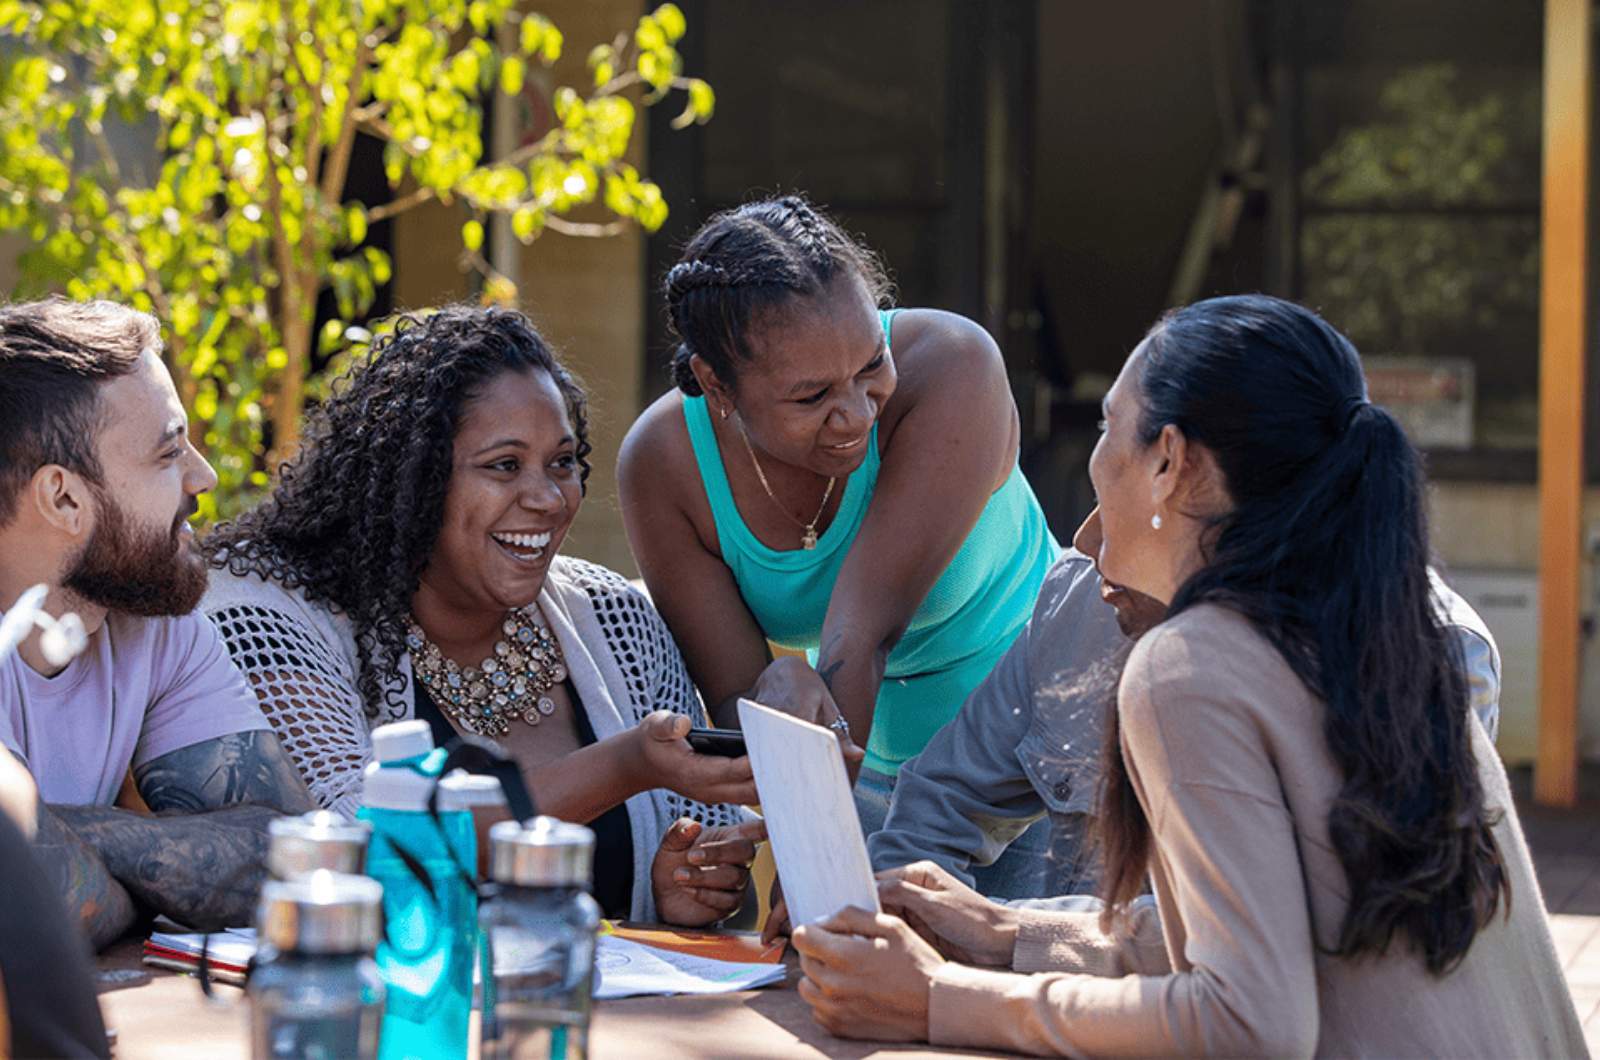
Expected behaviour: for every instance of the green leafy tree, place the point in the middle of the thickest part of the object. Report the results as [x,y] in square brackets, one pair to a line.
[191,159]
[1397,254]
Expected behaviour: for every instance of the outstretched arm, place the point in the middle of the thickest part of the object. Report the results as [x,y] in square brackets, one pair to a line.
[690,585]
[200,859]
[953,445]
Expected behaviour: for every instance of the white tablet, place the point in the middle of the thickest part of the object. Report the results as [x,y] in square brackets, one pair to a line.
[811,816]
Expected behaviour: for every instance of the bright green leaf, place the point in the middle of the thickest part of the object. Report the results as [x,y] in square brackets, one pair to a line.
[527,223]
[228,91]
[332,332]
[511,71]
[550,45]
[670,18]
[532,34]
[649,36]
[703,99]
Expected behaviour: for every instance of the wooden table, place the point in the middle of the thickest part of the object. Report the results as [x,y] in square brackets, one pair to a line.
[167,1018]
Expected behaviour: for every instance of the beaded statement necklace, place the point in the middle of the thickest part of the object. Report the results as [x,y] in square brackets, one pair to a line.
[512,683]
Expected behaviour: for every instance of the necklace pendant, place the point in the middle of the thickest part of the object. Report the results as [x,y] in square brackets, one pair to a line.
[808,540]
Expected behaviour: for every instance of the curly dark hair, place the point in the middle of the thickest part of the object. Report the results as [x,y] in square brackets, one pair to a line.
[357,512]
[749,260]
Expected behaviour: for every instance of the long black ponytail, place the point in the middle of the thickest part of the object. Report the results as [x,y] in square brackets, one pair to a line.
[1326,552]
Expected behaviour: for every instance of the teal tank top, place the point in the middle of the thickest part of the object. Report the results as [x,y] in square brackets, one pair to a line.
[965,623]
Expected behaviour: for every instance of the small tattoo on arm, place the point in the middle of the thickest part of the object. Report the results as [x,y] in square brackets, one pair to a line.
[828,666]
[828,672]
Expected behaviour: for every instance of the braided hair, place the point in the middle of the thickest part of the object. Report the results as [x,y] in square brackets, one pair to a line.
[746,261]
[356,514]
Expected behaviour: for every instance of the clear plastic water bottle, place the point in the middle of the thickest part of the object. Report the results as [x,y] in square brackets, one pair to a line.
[539,938]
[431,939]
[480,796]
[299,846]
[315,992]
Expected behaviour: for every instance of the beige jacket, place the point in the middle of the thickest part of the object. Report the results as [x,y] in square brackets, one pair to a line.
[1226,752]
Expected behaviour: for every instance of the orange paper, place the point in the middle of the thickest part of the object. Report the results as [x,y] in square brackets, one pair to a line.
[741,946]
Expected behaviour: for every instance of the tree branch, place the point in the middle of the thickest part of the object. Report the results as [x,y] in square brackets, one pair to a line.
[583,229]
[339,158]
[384,211]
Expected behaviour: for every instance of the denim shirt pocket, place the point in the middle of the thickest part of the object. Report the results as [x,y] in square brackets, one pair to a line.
[1064,776]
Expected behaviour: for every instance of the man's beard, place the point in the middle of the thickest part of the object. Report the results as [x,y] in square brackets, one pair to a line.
[138,570]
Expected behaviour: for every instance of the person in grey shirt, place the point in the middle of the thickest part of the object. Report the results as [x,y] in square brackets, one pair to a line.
[1027,741]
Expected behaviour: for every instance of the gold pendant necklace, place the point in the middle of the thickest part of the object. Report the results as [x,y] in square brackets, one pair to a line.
[808,539]
[513,682]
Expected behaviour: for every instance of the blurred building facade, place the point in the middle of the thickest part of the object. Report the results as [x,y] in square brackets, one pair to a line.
[1064,171]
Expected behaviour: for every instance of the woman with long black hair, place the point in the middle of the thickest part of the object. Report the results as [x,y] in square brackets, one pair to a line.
[1333,850]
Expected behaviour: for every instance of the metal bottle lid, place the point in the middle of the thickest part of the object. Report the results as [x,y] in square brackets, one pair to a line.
[465,791]
[325,912]
[317,840]
[542,852]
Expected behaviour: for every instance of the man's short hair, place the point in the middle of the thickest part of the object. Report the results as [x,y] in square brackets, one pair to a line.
[54,356]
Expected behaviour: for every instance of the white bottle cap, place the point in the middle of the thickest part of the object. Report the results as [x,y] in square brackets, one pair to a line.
[466,791]
[400,740]
[395,789]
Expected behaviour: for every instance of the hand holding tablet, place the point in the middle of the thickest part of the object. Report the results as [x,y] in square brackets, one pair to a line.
[811,815]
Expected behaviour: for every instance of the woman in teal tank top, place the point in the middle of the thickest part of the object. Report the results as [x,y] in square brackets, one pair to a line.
[833,479]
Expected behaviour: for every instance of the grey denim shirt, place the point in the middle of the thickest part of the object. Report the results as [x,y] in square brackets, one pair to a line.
[1027,741]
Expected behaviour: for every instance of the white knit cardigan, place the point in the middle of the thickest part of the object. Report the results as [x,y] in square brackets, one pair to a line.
[302,660]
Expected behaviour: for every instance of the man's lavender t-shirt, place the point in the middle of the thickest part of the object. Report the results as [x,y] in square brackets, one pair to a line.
[143,688]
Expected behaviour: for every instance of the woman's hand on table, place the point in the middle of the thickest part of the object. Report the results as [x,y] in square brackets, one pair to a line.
[662,758]
[790,684]
[867,975]
[700,874]
[959,922]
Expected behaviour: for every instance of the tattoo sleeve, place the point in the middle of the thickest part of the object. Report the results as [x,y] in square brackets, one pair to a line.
[244,767]
[200,859]
[101,905]
[202,869]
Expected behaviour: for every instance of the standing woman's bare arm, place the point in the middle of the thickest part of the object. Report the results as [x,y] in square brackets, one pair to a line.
[951,444]
[689,583]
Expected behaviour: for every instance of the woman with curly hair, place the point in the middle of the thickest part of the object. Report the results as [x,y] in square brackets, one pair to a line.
[406,566]
[839,477]
[1292,763]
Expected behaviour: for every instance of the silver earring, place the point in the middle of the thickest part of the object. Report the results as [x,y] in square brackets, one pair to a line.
[724,412]
[1155,522]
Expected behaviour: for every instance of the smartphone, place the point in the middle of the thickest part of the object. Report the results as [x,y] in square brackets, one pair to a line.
[724,743]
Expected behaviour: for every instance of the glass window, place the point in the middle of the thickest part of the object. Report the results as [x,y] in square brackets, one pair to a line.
[1418,176]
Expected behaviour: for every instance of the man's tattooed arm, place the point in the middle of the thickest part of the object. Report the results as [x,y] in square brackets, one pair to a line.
[201,858]
[201,869]
[102,905]
[242,768]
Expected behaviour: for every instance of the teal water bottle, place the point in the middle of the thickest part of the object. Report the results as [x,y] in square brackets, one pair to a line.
[430,939]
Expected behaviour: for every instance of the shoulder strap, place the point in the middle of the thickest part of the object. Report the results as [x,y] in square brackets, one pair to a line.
[713,476]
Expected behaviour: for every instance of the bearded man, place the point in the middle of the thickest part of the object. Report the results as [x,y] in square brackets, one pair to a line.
[98,479]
